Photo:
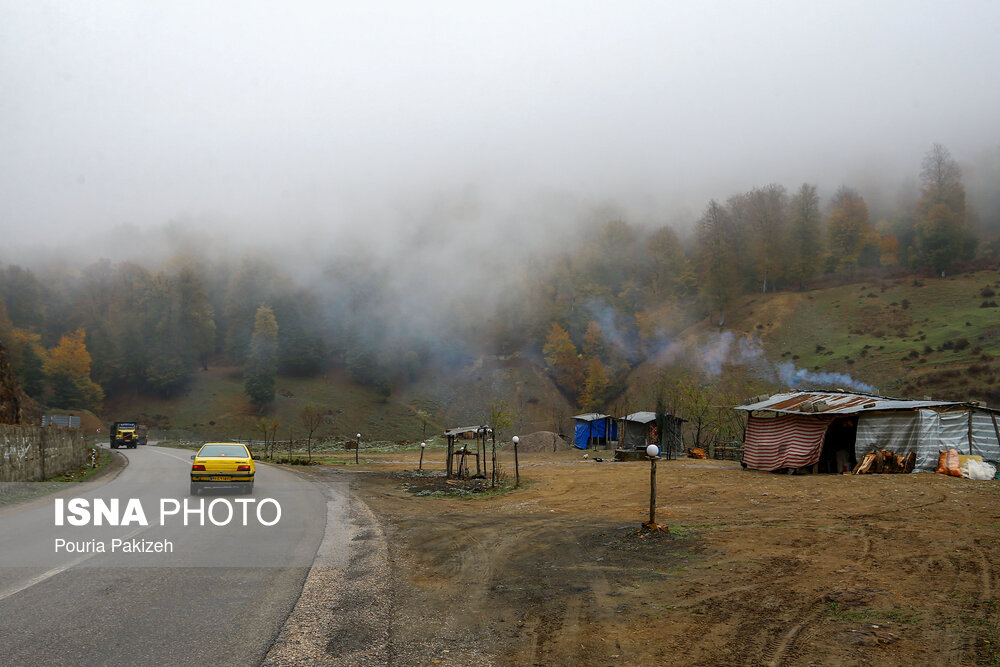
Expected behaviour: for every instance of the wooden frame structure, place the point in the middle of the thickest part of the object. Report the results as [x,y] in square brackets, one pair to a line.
[479,434]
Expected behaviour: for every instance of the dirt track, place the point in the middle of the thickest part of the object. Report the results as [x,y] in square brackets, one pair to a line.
[758,568]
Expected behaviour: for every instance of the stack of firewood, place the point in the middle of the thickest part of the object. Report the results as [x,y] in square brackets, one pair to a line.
[885,462]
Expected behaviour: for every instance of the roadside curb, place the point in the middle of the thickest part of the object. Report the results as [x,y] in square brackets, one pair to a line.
[342,614]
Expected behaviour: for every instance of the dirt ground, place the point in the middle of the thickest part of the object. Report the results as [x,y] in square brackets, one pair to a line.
[757,569]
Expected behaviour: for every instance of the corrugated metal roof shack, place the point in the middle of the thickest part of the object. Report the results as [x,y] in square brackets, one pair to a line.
[639,429]
[832,430]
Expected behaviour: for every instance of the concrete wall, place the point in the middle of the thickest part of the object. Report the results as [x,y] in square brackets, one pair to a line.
[34,453]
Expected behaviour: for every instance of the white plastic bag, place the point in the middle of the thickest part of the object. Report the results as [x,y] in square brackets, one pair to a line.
[974,469]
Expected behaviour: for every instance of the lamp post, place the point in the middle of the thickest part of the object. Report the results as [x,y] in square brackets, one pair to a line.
[357,449]
[517,477]
[422,446]
[652,452]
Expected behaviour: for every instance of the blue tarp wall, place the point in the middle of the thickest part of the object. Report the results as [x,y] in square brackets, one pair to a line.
[595,432]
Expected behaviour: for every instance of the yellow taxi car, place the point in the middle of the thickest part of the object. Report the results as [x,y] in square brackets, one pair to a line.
[220,465]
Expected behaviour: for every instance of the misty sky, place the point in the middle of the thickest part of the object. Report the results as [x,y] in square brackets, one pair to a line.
[365,118]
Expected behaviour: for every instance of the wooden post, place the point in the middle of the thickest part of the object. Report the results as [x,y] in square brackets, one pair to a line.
[41,453]
[480,440]
[422,446]
[517,476]
[652,492]
[451,451]
[493,475]
[970,432]
[357,449]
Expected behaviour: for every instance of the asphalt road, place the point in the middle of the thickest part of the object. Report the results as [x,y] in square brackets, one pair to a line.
[217,595]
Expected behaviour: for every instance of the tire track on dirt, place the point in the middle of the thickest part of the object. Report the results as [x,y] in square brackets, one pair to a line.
[558,631]
[985,575]
[868,542]
[446,574]
[779,647]
[892,510]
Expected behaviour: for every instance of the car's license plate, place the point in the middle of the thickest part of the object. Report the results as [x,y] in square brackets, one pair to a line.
[221,478]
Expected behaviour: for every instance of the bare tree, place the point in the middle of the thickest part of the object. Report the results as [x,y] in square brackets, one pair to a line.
[501,417]
[424,419]
[312,417]
[269,429]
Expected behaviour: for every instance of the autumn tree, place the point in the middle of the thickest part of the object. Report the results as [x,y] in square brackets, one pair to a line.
[941,221]
[766,219]
[593,341]
[501,418]
[254,282]
[853,240]
[262,361]
[941,182]
[26,354]
[563,360]
[67,370]
[667,263]
[595,386]
[888,249]
[717,259]
[805,241]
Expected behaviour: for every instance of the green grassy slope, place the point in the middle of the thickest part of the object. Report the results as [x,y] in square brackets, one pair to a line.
[215,406]
[908,337]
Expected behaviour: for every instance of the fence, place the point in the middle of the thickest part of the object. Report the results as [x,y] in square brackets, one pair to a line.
[33,453]
[62,421]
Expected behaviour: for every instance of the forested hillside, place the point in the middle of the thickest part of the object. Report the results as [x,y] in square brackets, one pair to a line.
[595,314]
